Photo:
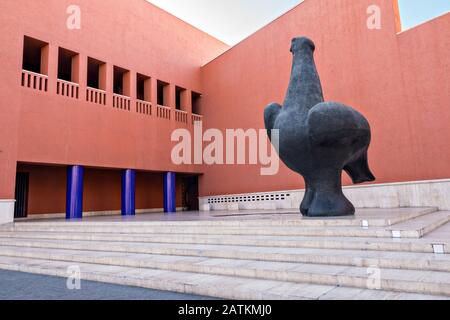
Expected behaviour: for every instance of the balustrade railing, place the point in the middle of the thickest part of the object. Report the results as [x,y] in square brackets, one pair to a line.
[34,80]
[95,96]
[163,112]
[121,102]
[181,116]
[143,107]
[67,89]
[196,118]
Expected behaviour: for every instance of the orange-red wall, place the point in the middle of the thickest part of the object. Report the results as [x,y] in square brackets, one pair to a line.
[46,189]
[102,189]
[400,82]
[43,127]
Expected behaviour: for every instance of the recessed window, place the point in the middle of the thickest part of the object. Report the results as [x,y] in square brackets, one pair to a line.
[121,81]
[96,77]
[35,55]
[68,64]
[163,93]
[196,97]
[179,98]
[143,87]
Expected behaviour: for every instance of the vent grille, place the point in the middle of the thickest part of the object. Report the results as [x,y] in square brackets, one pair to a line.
[249,198]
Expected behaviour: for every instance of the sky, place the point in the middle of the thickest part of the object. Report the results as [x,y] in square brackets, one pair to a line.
[228,20]
[414,12]
[233,20]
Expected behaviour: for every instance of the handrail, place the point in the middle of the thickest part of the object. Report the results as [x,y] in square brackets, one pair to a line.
[69,82]
[164,107]
[95,89]
[35,73]
[121,96]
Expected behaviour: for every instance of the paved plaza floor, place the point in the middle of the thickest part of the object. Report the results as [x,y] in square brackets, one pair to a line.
[26,286]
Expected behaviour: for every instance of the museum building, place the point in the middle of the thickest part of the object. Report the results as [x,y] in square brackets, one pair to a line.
[87,111]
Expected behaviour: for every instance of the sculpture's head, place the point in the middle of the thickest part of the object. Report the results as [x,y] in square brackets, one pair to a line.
[302,43]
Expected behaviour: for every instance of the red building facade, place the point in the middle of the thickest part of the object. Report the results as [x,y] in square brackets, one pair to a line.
[108,96]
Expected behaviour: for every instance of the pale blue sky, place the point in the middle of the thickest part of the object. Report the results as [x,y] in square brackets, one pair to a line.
[233,20]
[228,20]
[414,12]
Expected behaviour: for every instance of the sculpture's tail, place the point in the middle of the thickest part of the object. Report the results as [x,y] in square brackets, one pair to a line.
[270,116]
[359,170]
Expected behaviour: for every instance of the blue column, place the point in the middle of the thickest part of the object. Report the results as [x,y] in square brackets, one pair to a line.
[74,193]
[128,192]
[169,192]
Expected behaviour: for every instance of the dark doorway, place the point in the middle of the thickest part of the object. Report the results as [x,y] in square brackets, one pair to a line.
[96,74]
[67,65]
[21,208]
[179,92]
[196,103]
[34,56]
[190,193]
[162,92]
[121,82]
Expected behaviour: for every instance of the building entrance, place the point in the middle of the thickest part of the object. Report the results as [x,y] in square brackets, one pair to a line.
[21,196]
[190,193]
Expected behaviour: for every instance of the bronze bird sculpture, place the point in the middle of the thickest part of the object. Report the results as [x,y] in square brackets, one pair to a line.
[319,139]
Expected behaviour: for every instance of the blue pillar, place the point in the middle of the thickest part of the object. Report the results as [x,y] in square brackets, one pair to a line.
[169,192]
[74,193]
[128,192]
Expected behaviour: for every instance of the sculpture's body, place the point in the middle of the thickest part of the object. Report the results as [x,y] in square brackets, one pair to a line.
[319,139]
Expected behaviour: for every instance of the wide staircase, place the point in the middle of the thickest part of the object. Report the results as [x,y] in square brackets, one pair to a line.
[371,256]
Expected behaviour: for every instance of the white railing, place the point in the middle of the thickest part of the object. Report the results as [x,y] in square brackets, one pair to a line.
[143,107]
[181,116]
[67,89]
[121,102]
[72,90]
[196,118]
[163,112]
[95,96]
[34,80]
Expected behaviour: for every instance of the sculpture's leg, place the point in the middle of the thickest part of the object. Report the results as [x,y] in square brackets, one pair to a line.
[359,169]
[328,199]
[307,199]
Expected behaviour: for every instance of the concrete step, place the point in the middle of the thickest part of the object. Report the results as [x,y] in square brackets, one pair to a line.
[367,217]
[420,226]
[225,287]
[412,281]
[357,258]
[440,234]
[420,222]
[136,228]
[355,243]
